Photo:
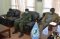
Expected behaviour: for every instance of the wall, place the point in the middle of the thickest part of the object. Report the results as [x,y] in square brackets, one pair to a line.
[4,6]
[39,7]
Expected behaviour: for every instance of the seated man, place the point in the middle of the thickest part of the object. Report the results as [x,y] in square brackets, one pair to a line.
[19,23]
[48,17]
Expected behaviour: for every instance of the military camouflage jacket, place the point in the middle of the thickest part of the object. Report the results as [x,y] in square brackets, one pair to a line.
[50,18]
[26,17]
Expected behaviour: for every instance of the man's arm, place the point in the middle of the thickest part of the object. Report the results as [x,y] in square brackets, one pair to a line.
[44,17]
[58,19]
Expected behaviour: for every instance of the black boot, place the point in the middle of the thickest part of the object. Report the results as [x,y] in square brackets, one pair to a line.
[21,35]
[15,32]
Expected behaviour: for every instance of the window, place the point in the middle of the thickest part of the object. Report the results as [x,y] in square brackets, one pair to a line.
[22,4]
[13,4]
[47,4]
[30,4]
[56,5]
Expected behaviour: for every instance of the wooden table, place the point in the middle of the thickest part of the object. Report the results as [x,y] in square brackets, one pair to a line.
[5,29]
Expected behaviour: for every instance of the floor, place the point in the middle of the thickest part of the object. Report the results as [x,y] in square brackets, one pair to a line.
[13,36]
[16,36]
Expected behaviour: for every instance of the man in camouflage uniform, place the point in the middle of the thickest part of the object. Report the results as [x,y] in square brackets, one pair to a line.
[19,23]
[48,17]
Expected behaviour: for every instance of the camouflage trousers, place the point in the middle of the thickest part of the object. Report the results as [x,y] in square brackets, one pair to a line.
[19,24]
[16,24]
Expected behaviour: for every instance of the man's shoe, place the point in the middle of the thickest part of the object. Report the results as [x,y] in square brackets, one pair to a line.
[21,35]
[14,32]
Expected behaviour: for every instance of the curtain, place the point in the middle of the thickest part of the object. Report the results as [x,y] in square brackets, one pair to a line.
[22,4]
[30,4]
[14,4]
[47,4]
[56,5]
